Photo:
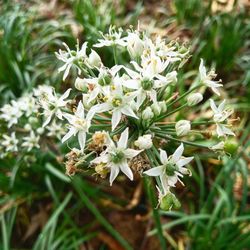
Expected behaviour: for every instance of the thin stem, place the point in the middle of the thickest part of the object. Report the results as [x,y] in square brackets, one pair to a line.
[115,54]
[165,136]
[156,215]
[170,113]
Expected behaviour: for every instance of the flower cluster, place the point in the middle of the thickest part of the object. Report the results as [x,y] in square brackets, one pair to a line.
[21,127]
[133,110]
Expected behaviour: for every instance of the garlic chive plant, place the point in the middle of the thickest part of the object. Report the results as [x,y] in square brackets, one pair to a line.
[133,111]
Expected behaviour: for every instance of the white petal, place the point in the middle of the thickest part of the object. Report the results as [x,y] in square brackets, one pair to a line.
[213,106]
[122,143]
[184,161]
[70,133]
[80,110]
[94,93]
[163,156]
[222,106]
[47,121]
[178,153]
[202,70]
[82,139]
[157,171]
[131,84]
[114,171]
[128,111]
[131,153]
[116,117]
[126,170]
[65,95]
[100,159]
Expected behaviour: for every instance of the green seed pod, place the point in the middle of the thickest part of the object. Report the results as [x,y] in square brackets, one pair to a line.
[169,201]
[231,146]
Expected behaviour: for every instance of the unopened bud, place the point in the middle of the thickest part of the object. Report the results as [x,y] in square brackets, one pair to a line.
[147,114]
[163,107]
[135,45]
[156,108]
[194,99]
[94,59]
[182,127]
[144,142]
[81,84]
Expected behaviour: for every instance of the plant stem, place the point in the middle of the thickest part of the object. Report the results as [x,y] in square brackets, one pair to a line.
[156,215]
[165,136]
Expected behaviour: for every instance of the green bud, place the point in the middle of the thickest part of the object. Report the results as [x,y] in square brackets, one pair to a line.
[156,108]
[231,146]
[169,201]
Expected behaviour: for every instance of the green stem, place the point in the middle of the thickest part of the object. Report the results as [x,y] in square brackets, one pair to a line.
[170,113]
[115,54]
[156,215]
[165,136]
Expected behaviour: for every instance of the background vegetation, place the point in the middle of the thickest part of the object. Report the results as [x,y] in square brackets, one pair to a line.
[41,208]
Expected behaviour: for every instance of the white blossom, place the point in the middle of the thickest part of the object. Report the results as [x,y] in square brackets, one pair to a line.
[116,157]
[78,124]
[10,143]
[171,169]
[31,141]
[220,116]
[71,57]
[112,38]
[118,103]
[206,79]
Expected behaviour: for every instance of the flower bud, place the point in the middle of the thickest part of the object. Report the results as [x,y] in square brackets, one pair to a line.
[182,127]
[144,142]
[163,107]
[147,114]
[81,84]
[194,99]
[135,45]
[94,59]
[169,201]
[156,108]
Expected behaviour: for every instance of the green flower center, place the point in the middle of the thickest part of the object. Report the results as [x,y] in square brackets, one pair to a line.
[105,79]
[170,169]
[117,157]
[116,102]
[146,84]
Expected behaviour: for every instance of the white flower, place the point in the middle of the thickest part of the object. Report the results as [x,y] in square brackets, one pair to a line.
[53,105]
[56,130]
[144,142]
[31,141]
[182,127]
[116,157]
[78,125]
[10,142]
[194,99]
[101,84]
[111,39]
[71,57]
[220,116]
[146,82]
[171,168]
[206,79]
[11,113]
[117,103]
[94,59]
